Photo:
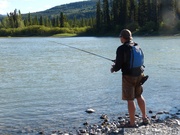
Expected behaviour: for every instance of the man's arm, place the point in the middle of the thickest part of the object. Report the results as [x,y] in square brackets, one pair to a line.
[119,60]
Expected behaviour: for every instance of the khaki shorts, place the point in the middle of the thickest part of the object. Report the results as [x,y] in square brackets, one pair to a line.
[131,88]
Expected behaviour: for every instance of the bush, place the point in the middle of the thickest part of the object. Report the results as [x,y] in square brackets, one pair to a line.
[38,30]
[178,26]
[149,27]
[133,26]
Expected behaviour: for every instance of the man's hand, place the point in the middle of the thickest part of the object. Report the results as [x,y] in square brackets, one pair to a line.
[112,69]
[113,61]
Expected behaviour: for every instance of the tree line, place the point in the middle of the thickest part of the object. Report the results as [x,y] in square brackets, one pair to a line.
[15,20]
[143,16]
[17,25]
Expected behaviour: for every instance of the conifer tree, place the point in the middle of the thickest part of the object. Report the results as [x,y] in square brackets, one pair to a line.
[11,23]
[127,10]
[98,15]
[122,13]
[20,20]
[177,9]
[116,12]
[62,19]
[14,20]
[142,13]
[35,20]
[53,21]
[41,20]
[29,19]
[133,13]
[153,12]
[106,16]
[82,24]
[75,22]
[91,22]
[46,22]
[57,21]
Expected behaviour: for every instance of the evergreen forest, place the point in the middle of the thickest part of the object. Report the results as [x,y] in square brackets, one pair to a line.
[101,18]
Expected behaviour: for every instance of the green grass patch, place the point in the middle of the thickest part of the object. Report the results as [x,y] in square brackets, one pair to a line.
[65,35]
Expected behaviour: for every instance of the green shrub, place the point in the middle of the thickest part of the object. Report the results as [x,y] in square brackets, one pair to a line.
[178,26]
[133,26]
[38,30]
[148,27]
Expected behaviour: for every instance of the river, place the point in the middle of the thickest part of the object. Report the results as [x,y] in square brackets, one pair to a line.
[47,85]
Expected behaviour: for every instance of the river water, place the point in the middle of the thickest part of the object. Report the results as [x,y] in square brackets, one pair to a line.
[46,85]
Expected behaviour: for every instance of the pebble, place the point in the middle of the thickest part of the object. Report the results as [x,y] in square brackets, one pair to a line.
[150,111]
[104,116]
[160,112]
[160,125]
[90,110]
[41,133]
[178,122]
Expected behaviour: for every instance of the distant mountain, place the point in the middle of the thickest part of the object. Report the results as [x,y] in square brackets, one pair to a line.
[1,16]
[84,9]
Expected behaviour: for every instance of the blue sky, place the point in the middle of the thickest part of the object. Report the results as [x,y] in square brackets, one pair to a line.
[26,6]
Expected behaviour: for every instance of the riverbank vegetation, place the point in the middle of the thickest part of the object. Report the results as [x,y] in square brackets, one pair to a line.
[38,30]
[143,17]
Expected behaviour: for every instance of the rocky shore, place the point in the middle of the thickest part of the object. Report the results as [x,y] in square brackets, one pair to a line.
[161,123]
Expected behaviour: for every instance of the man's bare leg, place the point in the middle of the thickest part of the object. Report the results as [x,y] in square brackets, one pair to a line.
[131,109]
[142,106]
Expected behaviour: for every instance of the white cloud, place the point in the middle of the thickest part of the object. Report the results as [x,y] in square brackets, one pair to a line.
[3,5]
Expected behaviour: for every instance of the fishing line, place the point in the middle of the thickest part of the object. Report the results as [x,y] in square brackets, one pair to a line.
[83,51]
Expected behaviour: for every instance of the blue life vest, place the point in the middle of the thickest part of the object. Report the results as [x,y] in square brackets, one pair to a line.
[136,56]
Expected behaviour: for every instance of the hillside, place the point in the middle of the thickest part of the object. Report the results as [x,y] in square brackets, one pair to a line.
[1,16]
[84,9]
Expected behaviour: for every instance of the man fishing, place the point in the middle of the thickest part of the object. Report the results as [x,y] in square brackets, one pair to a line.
[130,59]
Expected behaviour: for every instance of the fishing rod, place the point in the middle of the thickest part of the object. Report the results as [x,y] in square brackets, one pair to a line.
[83,51]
